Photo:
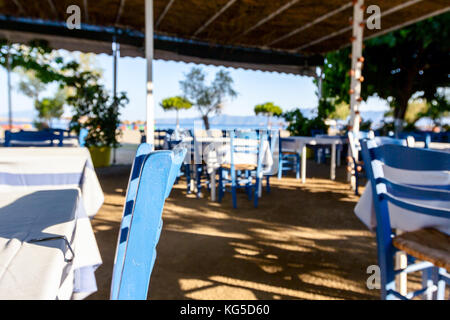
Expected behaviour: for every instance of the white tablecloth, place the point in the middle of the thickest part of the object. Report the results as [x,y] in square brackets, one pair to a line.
[400,218]
[298,144]
[41,270]
[34,168]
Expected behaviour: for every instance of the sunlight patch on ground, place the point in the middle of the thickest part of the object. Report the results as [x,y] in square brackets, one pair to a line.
[267,288]
[206,231]
[330,281]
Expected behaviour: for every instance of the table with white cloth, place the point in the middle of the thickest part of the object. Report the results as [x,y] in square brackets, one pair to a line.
[47,246]
[38,168]
[216,151]
[299,145]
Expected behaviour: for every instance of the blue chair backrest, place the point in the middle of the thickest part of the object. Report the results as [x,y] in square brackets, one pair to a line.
[389,140]
[246,134]
[143,150]
[385,190]
[280,142]
[32,138]
[132,277]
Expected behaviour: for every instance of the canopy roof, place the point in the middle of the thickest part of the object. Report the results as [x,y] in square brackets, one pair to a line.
[278,35]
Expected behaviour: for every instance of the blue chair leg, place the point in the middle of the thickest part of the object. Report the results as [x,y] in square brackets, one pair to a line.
[268,184]
[280,166]
[441,283]
[233,188]
[356,182]
[255,194]
[248,185]
[233,194]
[198,176]
[220,195]
[188,177]
[427,280]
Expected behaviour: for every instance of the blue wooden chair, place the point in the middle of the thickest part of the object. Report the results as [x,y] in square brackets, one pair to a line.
[32,139]
[242,175]
[151,180]
[428,245]
[287,160]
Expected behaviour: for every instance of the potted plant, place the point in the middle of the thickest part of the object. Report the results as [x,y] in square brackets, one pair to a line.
[97,112]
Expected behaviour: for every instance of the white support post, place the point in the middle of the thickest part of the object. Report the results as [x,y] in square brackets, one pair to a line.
[149,58]
[356,73]
[357,63]
[8,79]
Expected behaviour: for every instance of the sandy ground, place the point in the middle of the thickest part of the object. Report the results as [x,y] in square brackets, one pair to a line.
[302,242]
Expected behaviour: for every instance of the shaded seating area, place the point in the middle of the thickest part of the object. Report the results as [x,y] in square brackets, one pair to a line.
[95,231]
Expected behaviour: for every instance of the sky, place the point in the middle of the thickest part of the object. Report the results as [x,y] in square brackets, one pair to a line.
[253,87]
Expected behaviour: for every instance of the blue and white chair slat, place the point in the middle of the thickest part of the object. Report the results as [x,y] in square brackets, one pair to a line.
[136,252]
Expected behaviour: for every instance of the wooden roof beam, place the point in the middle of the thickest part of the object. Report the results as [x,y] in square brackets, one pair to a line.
[52,6]
[163,14]
[310,24]
[214,17]
[119,11]
[332,35]
[86,12]
[269,17]
[19,6]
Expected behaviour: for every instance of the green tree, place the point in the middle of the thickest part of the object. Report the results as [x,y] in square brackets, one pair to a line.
[49,109]
[93,107]
[176,104]
[30,85]
[397,66]
[268,109]
[207,99]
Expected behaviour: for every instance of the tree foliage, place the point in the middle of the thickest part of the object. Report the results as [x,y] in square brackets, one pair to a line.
[268,109]
[397,65]
[94,109]
[299,125]
[208,99]
[175,104]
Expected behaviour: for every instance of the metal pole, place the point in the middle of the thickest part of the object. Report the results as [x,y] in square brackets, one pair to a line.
[149,58]
[8,77]
[115,49]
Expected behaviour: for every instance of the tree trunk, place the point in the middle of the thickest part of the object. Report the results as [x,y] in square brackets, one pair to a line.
[206,121]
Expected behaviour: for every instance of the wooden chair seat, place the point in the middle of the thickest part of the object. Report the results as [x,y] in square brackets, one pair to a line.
[426,244]
[290,152]
[240,166]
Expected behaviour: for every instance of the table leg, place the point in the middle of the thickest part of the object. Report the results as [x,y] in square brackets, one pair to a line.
[333,162]
[213,185]
[304,164]
[338,157]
